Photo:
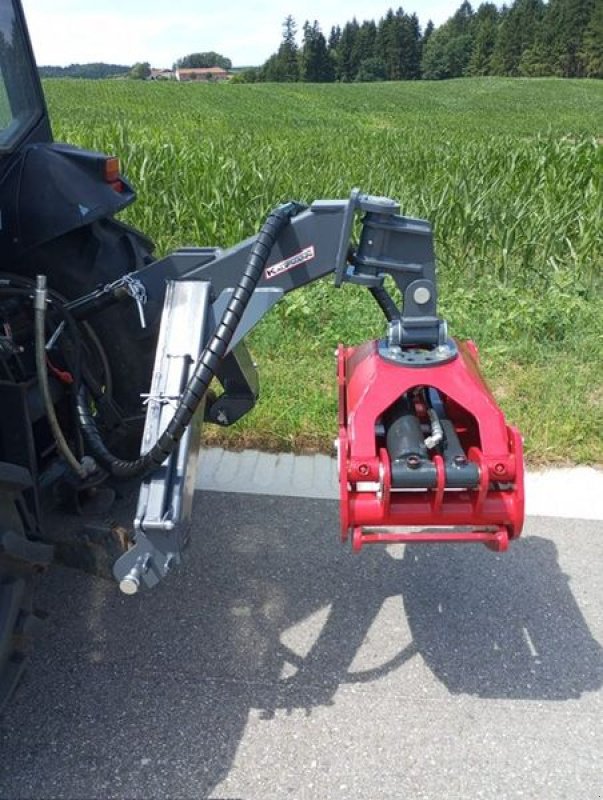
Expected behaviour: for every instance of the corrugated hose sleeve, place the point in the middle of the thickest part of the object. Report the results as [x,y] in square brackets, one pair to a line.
[206,366]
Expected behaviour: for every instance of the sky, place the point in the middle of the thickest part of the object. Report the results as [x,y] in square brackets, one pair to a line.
[161,31]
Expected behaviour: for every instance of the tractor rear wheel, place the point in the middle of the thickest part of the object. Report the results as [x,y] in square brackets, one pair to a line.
[77,264]
[20,561]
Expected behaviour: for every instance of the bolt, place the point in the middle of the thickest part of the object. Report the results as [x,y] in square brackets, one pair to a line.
[363,469]
[460,461]
[499,468]
[413,462]
[131,583]
[422,295]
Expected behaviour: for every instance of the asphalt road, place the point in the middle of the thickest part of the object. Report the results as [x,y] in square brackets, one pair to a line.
[277,664]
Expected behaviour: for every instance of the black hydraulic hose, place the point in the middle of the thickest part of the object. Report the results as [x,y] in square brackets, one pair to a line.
[205,368]
[17,285]
[385,302]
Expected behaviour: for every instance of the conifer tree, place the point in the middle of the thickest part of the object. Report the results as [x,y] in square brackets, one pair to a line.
[332,46]
[434,59]
[365,42]
[462,19]
[288,53]
[485,32]
[429,28]
[315,64]
[565,27]
[592,46]
[347,64]
[410,40]
[448,51]
[519,30]
[334,38]
[389,46]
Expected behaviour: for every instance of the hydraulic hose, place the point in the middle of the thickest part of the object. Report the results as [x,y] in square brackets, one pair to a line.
[437,432]
[87,466]
[205,368]
[385,302]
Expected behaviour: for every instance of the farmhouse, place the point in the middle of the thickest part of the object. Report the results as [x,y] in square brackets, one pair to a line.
[206,74]
[161,75]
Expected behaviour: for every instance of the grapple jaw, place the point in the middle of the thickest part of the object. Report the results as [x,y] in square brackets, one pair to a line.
[425,453]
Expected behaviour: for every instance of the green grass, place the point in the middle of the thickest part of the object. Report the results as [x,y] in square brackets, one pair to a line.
[508,171]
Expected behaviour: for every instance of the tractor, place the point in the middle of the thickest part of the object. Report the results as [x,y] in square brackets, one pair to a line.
[110,357]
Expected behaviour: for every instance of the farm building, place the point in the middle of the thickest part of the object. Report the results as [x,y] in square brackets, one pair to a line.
[161,75]
[202,74]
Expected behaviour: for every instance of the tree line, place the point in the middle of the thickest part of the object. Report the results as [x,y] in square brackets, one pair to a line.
[139,71]
[96,70]
[528,38]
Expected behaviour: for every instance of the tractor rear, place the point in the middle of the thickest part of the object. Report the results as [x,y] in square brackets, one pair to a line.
[57,207]
[110,361]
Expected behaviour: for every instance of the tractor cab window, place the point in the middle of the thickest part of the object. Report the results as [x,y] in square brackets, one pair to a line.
[20,104]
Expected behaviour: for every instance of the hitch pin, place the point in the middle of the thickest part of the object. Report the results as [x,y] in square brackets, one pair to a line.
[136,289]
[139,306]
[138,293]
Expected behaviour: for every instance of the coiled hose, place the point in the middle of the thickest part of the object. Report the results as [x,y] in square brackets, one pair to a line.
[205,368]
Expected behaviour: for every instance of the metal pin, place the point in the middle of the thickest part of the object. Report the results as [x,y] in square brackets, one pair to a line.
[136,289]
[130,583]
[138,293]
[53,339]
[139,306]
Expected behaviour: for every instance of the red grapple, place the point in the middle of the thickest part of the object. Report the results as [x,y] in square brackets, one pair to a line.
[372,510]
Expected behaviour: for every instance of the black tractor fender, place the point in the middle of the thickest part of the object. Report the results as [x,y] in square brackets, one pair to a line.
[53,189]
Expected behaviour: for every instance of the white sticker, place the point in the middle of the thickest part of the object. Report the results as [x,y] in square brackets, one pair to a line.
[289,263]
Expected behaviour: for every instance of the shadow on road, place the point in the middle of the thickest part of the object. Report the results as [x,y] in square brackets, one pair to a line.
[149,696]
[504,626]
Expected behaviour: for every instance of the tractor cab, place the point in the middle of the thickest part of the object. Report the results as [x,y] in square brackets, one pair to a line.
[23,116]
[47,190]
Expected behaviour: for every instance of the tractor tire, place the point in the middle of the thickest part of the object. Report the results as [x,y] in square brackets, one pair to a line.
[20,561]
[77,264]
[74,265]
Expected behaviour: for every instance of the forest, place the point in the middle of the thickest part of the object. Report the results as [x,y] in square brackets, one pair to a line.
[528,38]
